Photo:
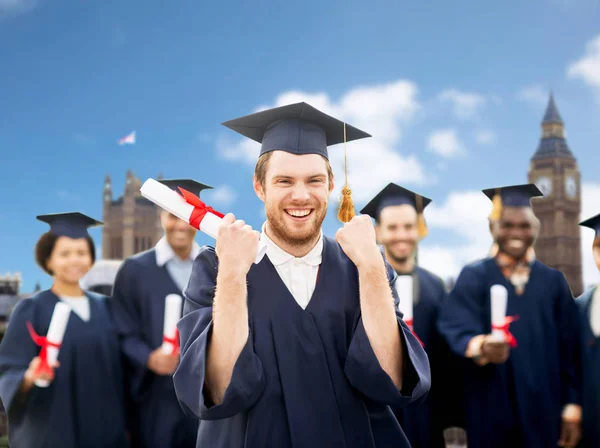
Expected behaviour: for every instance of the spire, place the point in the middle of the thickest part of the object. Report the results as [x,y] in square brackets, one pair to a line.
[552,116]
[553,142]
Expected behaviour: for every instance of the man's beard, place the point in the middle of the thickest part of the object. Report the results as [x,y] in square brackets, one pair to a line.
[400,259]
[283,232]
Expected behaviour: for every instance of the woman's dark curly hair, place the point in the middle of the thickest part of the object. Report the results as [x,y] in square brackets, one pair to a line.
[45,246]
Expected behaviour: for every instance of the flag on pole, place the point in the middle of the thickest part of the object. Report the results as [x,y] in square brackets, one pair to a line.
[128,139]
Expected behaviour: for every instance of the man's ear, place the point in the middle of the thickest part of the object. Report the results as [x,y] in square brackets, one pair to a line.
[493,225]
[258,189]
[377,232]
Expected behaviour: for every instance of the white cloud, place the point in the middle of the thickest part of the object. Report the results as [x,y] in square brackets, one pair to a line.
[465,104]
[588,67]
[485,137]
[14,7]
[223,195]
[465,215]
[381,110]
[590,206]
[534,94]
[446,143]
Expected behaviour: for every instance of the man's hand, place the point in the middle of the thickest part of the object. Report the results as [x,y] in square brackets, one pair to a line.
[358,241]
[237,244]
[496,352]
[161,363]
[570,434]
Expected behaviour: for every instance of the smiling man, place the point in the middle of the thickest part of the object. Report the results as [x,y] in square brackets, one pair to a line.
[305,348]
[140,289]
[526,395]
[400,226]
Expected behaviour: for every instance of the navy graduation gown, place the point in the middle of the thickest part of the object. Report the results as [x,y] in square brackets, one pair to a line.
[518,403]
[424,423]
[590,350]
[139,300]
[305,378]
[84,405]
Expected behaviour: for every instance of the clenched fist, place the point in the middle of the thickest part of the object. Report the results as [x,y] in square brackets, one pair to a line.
[358,241]
[496,352]
[237,244]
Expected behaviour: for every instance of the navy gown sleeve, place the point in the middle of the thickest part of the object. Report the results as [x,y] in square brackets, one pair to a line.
[248,379]
[570,340]
[363,370]
[16,352]
[461,316]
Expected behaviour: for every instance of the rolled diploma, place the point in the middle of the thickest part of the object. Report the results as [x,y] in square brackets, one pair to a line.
[404,288]
[56,332]
[172,202]
[172,316]
[499,297]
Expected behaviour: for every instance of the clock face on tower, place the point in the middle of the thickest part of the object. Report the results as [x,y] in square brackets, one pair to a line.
[571,187]
[544,183]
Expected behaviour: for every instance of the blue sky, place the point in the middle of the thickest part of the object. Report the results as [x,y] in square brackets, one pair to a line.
[453,93]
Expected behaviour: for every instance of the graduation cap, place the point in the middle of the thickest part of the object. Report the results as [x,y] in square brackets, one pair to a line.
[593,223]
[394,194]
[511,196]
[73,224]
[299,129]
[187,184]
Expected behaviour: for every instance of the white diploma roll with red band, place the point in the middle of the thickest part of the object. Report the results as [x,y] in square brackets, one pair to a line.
[194,212]
[54,338]
[499,298]
[172,316]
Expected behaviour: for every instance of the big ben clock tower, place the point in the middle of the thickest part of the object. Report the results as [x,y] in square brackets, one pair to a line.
[553,168]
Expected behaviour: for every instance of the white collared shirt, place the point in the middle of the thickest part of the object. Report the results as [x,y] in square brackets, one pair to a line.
[79,305]
[298,274]
[595,312]
[180,270]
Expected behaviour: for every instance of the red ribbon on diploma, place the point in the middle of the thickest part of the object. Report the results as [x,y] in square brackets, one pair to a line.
[200,208]
[512,341]
[44,343]
[174,341]
[410,325]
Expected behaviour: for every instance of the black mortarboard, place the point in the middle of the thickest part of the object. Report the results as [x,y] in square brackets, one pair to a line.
[73,225]
[394,194]
[300,129]
[296,128]
[511,196]
[593,223]
[187,184]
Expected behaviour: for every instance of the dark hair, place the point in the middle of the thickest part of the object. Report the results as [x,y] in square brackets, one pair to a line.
[45,246]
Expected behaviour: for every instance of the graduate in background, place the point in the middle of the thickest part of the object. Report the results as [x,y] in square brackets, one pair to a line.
[527,394]
[400,225]
[83,406]
[589,312]
[282,353]
[141,286]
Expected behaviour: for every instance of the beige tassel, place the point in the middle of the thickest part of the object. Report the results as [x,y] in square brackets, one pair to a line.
[496,208]
[421,225]
[346,211]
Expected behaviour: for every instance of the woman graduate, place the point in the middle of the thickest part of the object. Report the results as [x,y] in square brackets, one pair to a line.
[589,313]
[82,406]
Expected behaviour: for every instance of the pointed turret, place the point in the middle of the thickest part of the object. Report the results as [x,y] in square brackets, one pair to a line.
[552,116]
[552,143]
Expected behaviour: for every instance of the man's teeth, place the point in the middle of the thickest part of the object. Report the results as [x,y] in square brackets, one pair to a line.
[516,244]
[299,213]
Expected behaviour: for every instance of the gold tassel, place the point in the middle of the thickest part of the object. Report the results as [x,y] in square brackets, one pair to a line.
[496,207]
[421,226]
[346,211]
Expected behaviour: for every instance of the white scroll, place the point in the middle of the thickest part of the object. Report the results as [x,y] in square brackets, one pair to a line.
[56,332]
[499,298]
[174,203]
[172,316]
[404,288]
